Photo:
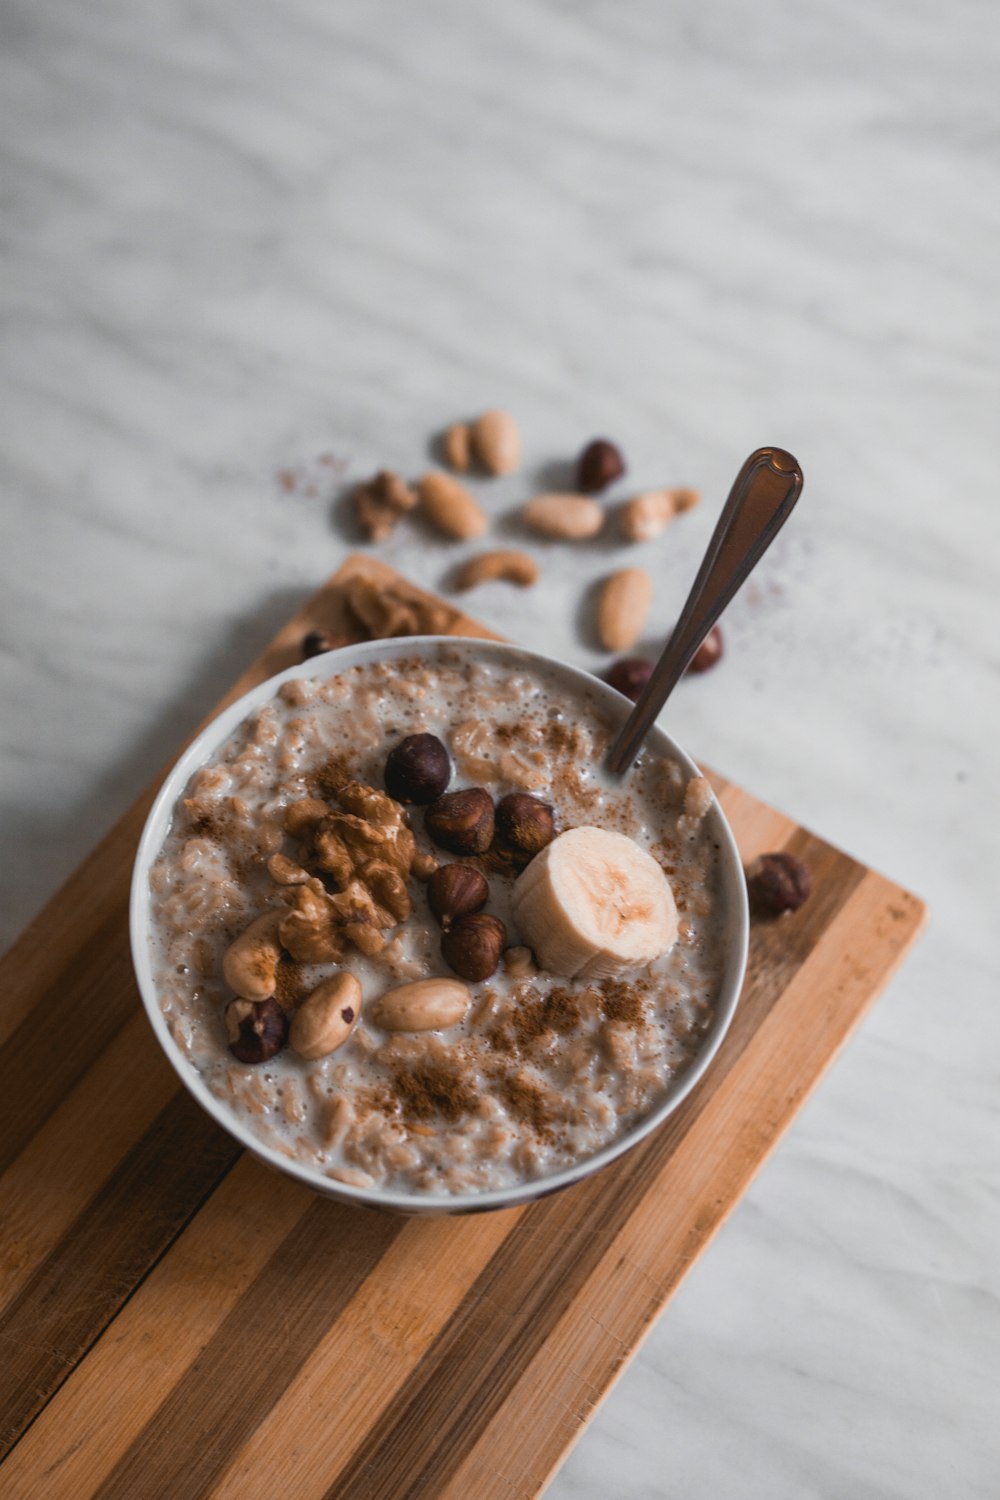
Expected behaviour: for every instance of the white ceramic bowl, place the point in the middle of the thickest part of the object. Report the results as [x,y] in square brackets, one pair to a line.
[735,928]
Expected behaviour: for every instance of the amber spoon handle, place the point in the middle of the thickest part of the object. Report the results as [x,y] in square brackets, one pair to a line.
[760,502]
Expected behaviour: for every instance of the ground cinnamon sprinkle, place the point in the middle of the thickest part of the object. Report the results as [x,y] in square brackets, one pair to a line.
[430,1090]
[328,779]
[212,825]
[622,1002]
[290,986]
[527,1102]
[558,1011]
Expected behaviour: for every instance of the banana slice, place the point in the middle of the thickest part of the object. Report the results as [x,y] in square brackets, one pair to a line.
[593,905]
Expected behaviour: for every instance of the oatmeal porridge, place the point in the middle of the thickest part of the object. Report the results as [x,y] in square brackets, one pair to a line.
[412,936]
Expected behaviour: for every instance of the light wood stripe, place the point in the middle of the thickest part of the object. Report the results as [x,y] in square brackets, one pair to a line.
[197,1333]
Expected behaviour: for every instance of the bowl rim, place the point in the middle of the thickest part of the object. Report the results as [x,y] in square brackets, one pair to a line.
[214,734]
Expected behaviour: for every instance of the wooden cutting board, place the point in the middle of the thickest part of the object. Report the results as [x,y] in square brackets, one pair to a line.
[178,1321]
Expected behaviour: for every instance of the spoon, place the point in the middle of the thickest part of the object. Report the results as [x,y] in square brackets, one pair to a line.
[760,502]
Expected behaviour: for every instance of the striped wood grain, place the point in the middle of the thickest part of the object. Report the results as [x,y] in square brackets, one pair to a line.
[175,1320]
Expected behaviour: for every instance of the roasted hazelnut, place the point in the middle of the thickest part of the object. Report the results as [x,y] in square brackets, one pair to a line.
[455,891]
[525,823]
[599,465]
[777,883]
[258,1029]
[708,653]
[462,822]
[630,675]
[472,947]
[417,769]
[318,641]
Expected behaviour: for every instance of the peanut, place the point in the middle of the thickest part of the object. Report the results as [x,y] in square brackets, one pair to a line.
[512,566]
[250,966]
[449,506]
[496,442]
[456,448]
[570,517]
[622,608]
[426,1005]
[325,1019]
[650,513]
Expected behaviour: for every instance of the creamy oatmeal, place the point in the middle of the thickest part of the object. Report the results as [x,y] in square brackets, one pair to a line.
[371,1000]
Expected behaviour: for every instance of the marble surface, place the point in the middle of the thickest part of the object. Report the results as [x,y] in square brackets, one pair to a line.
[236,237]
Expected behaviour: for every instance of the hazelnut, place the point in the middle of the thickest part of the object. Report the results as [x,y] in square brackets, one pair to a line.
[455,891]
[630,675]
[462,822]
[417,769]
[472,947]
[708,653]
[525,823]
[318,641]
[777,883]
[599,465]
[257,1029]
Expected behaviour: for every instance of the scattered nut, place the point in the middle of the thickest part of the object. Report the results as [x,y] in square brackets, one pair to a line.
[417,769]
[622,608]
[389,609]
[462,822]
[473,945]
[519,963]
[525,823]
[425,1005]
[569,517]
[496,442]
[257,1029]
[325,1019]
[250,965]
[511,566]
[630,675]
[648,514]
[379,503]
[319,641]
[450,507]
[456,447]
[599,465]
[423,866]
[456,891]
[708,653]
[778,883]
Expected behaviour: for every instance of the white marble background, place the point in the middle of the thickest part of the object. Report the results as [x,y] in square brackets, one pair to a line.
[237,235]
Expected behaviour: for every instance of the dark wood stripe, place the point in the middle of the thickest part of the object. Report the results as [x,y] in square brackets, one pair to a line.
[74,1020]
[476,1361]
[255,1354]
[107,1251]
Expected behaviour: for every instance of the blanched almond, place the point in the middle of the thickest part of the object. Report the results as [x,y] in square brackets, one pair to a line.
[570,517]
[449,506]
[496,442]
[512,566]
[426,1005]
[325,1019]
[622,608]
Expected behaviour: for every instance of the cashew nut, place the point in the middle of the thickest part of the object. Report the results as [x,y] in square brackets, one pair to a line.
[512,566]
[325,1019]
[250,966]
